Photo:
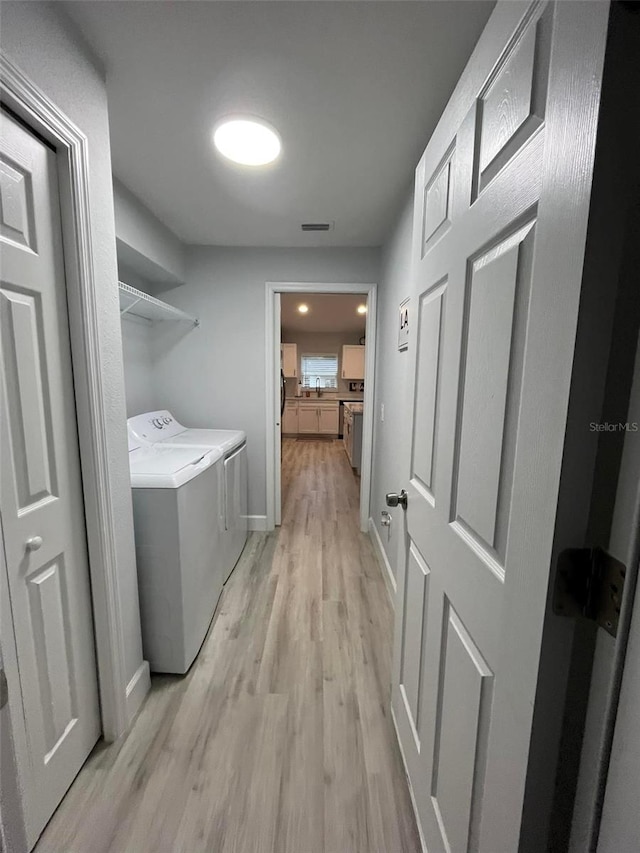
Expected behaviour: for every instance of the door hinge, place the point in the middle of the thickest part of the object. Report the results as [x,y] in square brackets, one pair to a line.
[590,583]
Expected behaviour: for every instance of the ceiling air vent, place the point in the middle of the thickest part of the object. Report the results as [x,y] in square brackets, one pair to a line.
[317,226]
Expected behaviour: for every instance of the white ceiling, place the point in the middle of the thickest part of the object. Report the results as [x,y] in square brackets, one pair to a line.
[355,89]
[328,312]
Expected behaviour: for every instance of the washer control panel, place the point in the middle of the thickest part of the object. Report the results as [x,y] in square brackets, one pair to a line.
[154,426]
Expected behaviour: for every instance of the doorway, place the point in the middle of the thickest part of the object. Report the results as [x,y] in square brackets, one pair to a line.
[320,414]
[323,349]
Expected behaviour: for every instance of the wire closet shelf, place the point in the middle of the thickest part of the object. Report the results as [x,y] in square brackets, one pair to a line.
[140,304]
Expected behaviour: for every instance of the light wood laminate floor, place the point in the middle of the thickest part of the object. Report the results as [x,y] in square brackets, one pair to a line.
[280,739]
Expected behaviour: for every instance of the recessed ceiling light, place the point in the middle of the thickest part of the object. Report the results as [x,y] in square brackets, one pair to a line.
[362,309]
[303,309]
[247,140]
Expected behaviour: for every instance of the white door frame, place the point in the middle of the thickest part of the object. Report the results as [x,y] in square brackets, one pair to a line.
[272,361]
[30,104]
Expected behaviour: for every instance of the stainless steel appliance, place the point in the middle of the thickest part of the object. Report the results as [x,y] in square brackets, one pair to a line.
[352,437]
[283,391]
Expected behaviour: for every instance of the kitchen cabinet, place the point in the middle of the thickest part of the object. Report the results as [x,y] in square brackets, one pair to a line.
[352,362]
[328,420]
[289,356]
[318,417]
[290,418]
[307,418]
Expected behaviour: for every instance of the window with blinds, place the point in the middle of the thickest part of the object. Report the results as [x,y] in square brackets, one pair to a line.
[322,367]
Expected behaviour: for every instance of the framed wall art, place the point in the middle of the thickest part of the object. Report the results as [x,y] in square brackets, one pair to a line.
[403,324]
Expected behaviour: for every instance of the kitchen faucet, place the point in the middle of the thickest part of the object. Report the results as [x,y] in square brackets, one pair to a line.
[318,391]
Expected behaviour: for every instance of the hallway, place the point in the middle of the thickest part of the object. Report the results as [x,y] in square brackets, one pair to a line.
[280,738]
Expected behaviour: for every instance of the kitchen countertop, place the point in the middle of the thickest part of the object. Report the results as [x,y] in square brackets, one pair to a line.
[328,399]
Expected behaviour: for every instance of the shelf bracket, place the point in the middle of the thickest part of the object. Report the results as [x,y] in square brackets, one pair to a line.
[129,307]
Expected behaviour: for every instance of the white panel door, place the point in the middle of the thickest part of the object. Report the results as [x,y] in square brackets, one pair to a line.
[501,205]
[40,487]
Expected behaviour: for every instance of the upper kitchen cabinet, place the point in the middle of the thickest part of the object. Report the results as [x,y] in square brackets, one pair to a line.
[289,354]
[352,362]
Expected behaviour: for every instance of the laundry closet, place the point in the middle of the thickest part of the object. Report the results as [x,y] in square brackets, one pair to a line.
[189,485]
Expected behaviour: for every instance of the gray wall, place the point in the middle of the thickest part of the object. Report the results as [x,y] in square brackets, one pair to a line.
[214,375]
[390,436]
[137,352]
[139,375]
[144,243]
[40,39]
[320,343]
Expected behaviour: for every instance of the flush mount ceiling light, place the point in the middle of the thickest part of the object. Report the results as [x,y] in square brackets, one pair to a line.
[303,309]
[361,309]
[247,140]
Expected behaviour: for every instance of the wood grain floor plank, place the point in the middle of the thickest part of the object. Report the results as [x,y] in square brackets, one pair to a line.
[279,739]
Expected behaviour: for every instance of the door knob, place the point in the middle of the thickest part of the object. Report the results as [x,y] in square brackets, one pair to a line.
[394,499]
[34,543]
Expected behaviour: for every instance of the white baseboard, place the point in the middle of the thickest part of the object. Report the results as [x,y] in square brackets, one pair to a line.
[257,522]
[423,843]
[137,689]
[387,574]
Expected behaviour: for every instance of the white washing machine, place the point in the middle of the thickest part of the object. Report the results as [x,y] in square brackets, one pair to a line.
[178,534]
[162,430]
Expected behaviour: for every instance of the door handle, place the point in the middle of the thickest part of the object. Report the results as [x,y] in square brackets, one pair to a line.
[34,543]
[394,499]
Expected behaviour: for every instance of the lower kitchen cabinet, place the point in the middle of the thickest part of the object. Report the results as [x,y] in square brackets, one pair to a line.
[318,417]
[307,418]
[290,418]
[328,420]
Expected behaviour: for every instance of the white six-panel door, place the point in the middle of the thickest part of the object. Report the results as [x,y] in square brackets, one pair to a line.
[501,204]
[40,486]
